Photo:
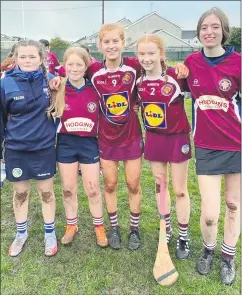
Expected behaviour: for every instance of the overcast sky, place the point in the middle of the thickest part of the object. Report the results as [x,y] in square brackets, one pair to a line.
[72,20]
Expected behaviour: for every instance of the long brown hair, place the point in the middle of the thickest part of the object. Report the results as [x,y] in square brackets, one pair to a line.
[58,103]
[160,43]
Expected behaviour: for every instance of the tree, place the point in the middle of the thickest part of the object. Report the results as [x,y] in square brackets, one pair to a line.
[235,36]
[57,42]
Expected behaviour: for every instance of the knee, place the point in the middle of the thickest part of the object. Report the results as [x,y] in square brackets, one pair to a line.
[20,197]
[68,194]
[232,206]
[47,196]
[133,187]
[210,220]
[91,190]
[110,187]
[180,193]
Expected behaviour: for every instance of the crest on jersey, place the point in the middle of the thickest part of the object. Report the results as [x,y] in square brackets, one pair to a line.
[17,172]
[92,107]
[225,84]
[117,104]
[127,78]
[155,115]
[185,149]
[167,89]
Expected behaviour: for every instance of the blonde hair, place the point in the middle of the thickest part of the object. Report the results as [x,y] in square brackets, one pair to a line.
[58,103]
[223,19]
[41,52]
[160,44]
[111,27]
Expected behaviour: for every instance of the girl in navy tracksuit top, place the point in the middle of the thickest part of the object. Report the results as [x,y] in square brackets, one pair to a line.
[29,139]
[77,106]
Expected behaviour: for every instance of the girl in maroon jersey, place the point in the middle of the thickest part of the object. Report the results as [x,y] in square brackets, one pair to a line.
[120,136]
[77,106]
[215,83]
[167,131]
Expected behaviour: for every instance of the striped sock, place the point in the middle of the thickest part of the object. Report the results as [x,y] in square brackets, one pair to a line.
[113,217]
[168,222]
[49,227]
[22,227]
[72,221]
[228,251]
[210,247]
[98,221]
[134,221]
[182,230]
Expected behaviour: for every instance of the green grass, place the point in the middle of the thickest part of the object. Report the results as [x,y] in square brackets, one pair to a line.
[86,269]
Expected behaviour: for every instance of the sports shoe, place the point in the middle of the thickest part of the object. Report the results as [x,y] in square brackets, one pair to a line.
[227,270]
[134,240]
[71,231]
[17,245]
[182,248]
[101,237]
[204,263]
[50,244]
[114,238]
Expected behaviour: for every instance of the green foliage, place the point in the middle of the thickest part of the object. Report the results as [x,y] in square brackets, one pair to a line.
[235,36]
[57,42]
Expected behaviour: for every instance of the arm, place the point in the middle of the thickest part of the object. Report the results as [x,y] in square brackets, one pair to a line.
[3,120]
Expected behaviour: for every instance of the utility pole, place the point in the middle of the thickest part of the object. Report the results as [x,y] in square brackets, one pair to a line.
[102,12]
[23,18]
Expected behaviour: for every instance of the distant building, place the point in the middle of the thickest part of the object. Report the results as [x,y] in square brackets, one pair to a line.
[7,42]
[91,41]
[190,36]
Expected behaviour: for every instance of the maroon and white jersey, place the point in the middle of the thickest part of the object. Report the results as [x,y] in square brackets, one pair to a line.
[81,111]
[163,104]
[119,124]
[216,87]
[52,62]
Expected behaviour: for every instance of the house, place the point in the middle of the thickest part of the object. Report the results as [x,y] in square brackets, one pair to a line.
[171,42]
[7,42]
[149,23]
[91,41]
[190,36]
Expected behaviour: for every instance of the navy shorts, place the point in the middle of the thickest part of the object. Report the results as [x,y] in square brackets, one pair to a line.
[217,162]
[27,165]
[71,148]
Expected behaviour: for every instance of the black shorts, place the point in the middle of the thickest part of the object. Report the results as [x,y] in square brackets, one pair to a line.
[27,165]
[71,148]
[217,162]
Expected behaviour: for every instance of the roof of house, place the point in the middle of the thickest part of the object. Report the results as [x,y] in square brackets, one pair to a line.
[147,16]
[189,34]
[159,31]
[96,34]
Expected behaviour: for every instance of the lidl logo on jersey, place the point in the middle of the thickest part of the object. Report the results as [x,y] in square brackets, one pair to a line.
[225,84]
[117,104]
[213,103]
[155,115]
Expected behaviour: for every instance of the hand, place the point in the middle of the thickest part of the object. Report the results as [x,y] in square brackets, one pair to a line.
[136,109]
[55,83]
[182,71]
[2,161]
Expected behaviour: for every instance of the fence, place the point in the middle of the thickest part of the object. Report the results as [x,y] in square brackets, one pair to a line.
[172,53]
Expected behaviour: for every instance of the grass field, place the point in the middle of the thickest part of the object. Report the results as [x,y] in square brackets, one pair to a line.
[86,269]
